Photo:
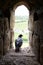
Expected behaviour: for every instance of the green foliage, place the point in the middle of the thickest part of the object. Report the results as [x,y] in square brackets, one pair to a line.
[21,18]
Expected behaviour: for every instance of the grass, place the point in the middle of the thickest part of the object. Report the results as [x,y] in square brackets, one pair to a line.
[21,25]
[21,28]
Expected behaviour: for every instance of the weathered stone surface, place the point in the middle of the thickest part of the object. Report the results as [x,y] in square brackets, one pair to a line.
[13,58]
[4,35]
[1,35]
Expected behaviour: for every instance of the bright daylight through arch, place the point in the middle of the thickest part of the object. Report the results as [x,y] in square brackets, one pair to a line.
[21,24]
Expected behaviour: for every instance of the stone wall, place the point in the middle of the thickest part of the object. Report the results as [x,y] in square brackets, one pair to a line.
[38,39]
[41,38]
[30,28]
[4,35]
[1,35]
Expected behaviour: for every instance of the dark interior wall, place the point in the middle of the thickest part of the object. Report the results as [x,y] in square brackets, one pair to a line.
[41,38]
[5,30]
[38,38]
[4,35]
[34,34]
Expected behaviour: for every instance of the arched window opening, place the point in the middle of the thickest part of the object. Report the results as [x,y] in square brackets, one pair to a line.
[21,24]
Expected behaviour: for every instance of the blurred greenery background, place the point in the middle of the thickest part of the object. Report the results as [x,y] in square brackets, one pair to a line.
[21,27]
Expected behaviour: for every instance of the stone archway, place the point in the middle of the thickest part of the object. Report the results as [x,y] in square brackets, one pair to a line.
[21,25]
[30,23]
